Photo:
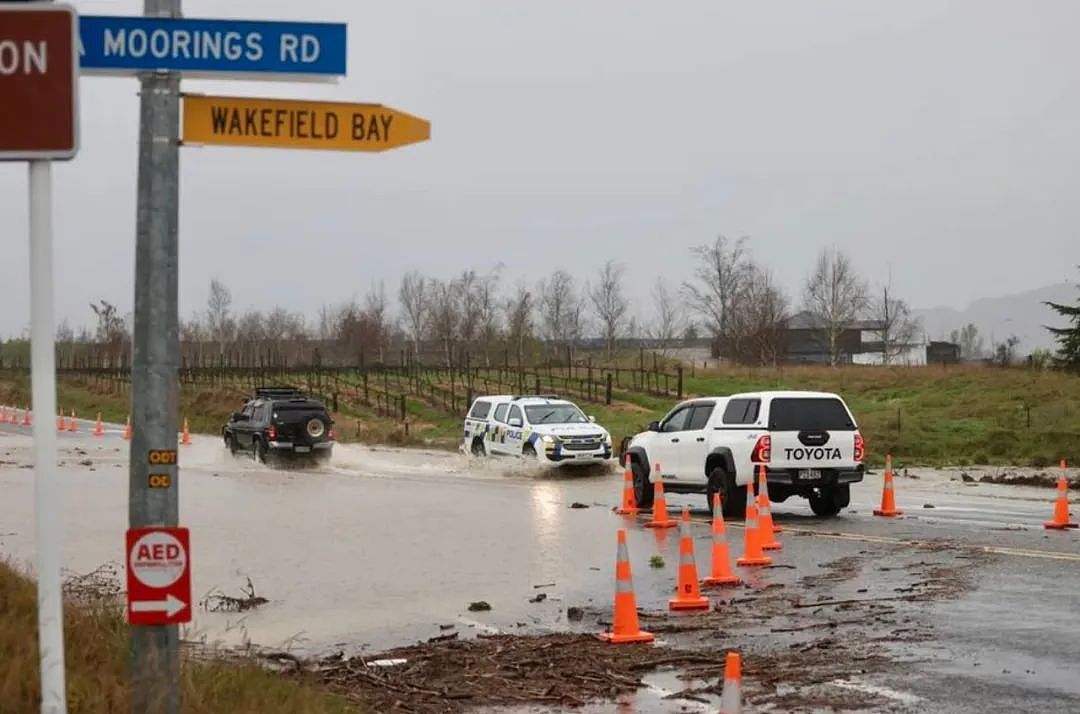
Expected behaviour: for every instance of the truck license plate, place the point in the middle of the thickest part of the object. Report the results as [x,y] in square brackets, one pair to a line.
[303,449]
[809,474]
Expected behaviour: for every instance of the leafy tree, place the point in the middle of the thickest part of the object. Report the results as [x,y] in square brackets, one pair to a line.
[1068,338]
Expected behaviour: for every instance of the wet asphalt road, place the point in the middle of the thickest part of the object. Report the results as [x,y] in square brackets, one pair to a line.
[383,546]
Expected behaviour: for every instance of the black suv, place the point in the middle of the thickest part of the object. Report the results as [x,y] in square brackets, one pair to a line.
[281,421]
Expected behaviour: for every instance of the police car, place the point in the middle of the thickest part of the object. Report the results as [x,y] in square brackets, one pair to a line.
[543,427]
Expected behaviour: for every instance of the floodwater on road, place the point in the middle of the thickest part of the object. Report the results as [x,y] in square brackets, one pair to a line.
[383,546]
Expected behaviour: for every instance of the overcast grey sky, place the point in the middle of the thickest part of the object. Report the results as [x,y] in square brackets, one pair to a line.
[936,137]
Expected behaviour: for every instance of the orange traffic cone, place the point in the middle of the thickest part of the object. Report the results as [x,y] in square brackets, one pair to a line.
[185,438]
[763,487]
[629,503]
[752,553]
[1061,505]
[61,423]
[660,517]
[731,699]
[888,497]
[26,420]
[625,628]
[73,425]
[99,428]
[721,557]
[127,429]
[687,593]
[765,523]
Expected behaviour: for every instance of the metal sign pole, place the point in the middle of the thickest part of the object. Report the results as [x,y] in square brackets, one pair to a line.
[48,509]
[155,390]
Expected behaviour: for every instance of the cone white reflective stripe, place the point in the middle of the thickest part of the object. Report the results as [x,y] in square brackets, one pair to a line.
[719,538]
[888,485]
[731,699]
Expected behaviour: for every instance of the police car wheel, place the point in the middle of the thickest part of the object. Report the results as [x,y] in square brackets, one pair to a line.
[477,448]
[528,451]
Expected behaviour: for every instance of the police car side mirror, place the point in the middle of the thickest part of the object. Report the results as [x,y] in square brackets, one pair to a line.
[592,419]
[654,426]
[514,421]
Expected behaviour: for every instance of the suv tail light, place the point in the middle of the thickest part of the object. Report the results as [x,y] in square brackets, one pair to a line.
[860,448]
[330,434]
[762,450]
[271,433]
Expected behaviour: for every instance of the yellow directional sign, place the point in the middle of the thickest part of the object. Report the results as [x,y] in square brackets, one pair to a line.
[298,124]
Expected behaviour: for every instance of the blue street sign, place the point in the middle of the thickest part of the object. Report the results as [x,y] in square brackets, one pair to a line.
[212,48]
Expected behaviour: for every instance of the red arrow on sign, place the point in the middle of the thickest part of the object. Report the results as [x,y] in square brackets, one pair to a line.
[158,576]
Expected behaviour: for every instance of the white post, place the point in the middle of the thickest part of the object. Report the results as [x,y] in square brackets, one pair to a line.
[48,511]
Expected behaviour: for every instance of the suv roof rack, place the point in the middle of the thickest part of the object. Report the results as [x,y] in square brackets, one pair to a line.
[535,396]
[278,392]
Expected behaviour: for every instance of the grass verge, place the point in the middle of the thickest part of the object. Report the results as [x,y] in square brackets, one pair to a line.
[928,416]
[96,653]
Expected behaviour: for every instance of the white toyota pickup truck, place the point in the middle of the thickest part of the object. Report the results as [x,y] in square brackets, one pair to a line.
[808,442]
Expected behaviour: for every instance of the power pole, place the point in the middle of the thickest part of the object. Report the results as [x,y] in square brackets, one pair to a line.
[155,391]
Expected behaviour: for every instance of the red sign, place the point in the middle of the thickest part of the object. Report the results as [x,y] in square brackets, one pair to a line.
[158,576]
[39,73]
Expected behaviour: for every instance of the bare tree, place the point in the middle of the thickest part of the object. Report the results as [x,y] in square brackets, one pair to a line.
[219,322]
[610,303]
[445,314]
[64,333]
[375,305]
[281,325]
[971,343]
[519,316]
[835,295]
[250,327]
[413,296]
[897,329]
[560,309]
[718,287]
[487,309]
[765,309]
[110,325]
[668,320]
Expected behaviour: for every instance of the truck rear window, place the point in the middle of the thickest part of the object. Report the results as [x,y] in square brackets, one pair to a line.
[809,414]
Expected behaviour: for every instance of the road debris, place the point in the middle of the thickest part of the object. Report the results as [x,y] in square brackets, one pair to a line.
[217,601]
[479,606]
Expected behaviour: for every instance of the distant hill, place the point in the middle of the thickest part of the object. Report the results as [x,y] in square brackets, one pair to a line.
[1022,314]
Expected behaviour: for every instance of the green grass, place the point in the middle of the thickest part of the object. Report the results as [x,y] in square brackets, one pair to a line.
[96,652]
[923,416]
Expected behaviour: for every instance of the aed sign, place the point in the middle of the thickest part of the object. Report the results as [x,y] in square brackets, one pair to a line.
[158,576]
[298,124]
[162,457]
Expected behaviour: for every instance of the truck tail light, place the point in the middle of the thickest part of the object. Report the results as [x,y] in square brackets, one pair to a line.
[860,448]
[762,450]
[271,433]
[330,434]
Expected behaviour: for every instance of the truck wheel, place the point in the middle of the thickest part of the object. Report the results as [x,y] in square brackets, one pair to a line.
[829,501]
[643,490]
[477,448]
[230,443]
[732,499]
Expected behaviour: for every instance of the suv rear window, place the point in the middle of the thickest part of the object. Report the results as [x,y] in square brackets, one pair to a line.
[809,413]
[480,410]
